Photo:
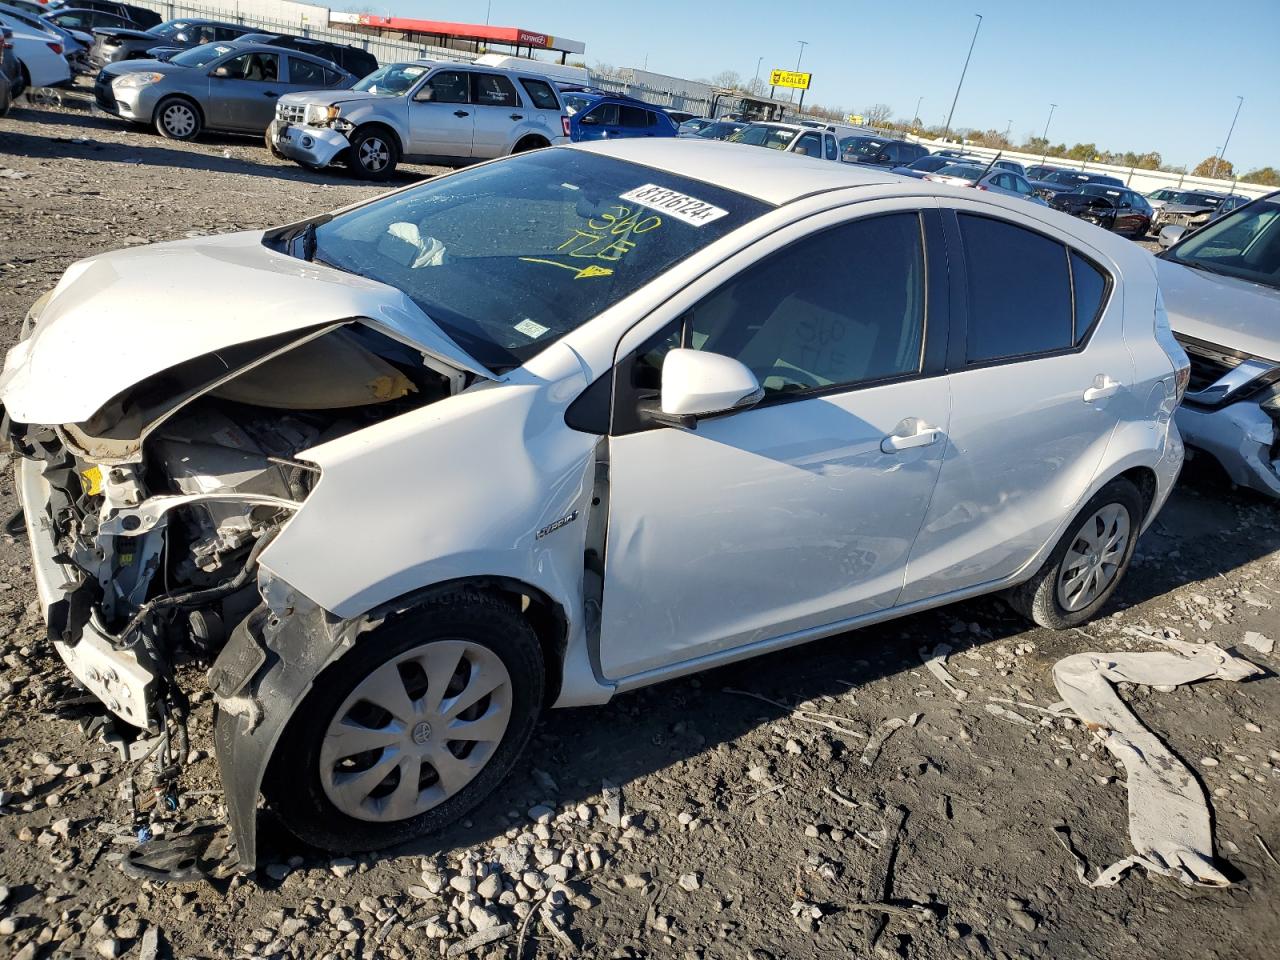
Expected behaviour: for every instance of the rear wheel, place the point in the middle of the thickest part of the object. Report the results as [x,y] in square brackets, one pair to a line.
[177,118]
[530,143]
[1088,563]
[373,154]
[412,728]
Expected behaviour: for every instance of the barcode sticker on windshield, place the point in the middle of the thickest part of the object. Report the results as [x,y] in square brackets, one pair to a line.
[531,328]
[681,206]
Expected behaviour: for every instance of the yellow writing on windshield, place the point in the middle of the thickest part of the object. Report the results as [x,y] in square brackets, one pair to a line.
[607,236]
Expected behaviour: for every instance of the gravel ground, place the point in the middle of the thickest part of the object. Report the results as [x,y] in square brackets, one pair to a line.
[742,827]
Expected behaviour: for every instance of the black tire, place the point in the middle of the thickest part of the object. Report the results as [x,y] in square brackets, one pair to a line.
[24,80]
[530,143]
[373,154]
[271,146]
[1038,598]
[294,786]
[177,118]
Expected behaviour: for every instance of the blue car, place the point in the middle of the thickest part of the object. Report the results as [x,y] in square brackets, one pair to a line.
[608,116]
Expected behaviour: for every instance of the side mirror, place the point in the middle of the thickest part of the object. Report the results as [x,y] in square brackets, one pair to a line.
[700,384]
[1171,235]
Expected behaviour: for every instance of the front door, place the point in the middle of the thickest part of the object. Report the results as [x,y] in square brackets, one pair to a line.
[801,511]
[243,92]
[441,120]
[1040,321]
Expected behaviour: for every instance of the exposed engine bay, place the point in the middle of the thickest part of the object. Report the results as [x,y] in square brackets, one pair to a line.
[159,505]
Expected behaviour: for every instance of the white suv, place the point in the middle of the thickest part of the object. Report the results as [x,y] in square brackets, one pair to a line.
[426,112]
[560,426]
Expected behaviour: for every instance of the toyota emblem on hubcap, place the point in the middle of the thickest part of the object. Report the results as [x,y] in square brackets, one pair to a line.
[421,732]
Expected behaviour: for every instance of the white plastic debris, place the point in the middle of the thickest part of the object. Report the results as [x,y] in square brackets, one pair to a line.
[883,733]
[1169,822]
[934,664]
[1259,642]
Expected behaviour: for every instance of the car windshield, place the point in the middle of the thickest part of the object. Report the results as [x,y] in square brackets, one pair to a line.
[168,29]
[200,56]
[508,257]
[1066,176]
[775,138]
[393,80]
[719,131]
[861,146]
[1244,244]
[1198,199]
[1098,190]
[967,171]
[576,103]
[930,164]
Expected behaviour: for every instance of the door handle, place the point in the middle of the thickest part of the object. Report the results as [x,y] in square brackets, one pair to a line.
[517,116]
[461,113]
[1103,387]
[924,435]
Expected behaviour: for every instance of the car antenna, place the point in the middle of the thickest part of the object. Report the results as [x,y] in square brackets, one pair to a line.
[999,154]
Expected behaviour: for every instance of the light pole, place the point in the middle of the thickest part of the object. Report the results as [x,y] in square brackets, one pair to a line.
[1218,160]
[916,116]
[1045,135]
[803,44]
[756,83]
[947,130]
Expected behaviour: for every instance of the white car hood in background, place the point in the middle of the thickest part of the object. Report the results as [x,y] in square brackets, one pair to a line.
[1222,311]
[118,318]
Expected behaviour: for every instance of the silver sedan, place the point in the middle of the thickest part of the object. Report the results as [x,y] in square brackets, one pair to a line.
[217,86]
[995,179]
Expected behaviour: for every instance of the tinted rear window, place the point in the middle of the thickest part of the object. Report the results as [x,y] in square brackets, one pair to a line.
[1019,291]
[1090,285]
[543,97]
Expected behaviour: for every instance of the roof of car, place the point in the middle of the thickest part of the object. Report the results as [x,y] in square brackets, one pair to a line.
[769,175]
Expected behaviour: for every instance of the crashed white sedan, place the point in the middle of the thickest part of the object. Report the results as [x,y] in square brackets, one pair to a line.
[559,426]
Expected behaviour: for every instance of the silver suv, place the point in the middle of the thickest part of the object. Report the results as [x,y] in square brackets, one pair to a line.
[424,111]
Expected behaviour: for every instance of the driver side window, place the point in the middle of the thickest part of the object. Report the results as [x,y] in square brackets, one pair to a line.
[447,86]
[839,308]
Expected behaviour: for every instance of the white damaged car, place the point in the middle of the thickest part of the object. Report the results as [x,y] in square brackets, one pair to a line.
[559,426]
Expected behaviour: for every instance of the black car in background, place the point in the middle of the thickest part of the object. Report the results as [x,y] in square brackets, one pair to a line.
[928,164]
[880,151]
[1040,171]
[1065,181]
[1117,209]
[142,16]
[113,44]
[359,63]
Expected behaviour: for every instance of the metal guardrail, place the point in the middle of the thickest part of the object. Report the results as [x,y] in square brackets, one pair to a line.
[384,48]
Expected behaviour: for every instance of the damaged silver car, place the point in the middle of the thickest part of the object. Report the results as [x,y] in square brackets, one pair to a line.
[556,427]
[1221,286]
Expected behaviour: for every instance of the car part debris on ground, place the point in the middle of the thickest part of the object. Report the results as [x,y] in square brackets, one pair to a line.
[1169,821]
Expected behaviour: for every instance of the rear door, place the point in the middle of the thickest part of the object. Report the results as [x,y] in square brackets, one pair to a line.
[1038,369]
[307,74]
[497,111]
[441,120]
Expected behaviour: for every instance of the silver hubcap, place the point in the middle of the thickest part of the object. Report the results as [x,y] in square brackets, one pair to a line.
[179,119]
[374,154]
[1094,557]
[415,731]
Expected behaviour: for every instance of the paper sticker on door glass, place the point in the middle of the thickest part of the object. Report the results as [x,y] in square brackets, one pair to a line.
[679,205]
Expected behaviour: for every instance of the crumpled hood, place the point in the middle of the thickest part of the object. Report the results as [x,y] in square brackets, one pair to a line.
[1223,311]
[116,319]
[329,97]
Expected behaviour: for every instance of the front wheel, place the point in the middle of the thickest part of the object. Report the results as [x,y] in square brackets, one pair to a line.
[373,154]
[1088,563]
[412,728]
[178,119]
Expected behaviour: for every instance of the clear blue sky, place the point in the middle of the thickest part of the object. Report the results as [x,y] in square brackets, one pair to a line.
[1126,74]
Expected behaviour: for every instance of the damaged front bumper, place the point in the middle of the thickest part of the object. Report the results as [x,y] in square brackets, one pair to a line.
[123,679]
[1241,437]
[310,146]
